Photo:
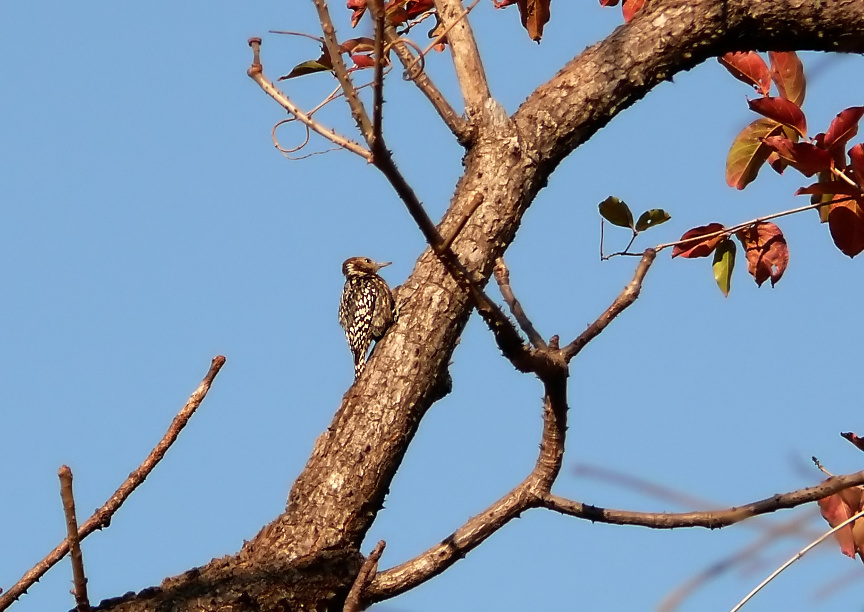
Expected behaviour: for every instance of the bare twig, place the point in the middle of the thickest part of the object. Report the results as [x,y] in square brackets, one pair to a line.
[625,299]
[476,201]
[82,603]
[709,519]
[256,73]
[102,517]
[358,111]
[502,275]
[378,15]
[364,577]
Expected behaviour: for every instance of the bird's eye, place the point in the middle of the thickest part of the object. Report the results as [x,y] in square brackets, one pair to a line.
[367,260]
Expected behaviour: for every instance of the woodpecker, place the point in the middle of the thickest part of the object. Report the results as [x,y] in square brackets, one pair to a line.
[366,309]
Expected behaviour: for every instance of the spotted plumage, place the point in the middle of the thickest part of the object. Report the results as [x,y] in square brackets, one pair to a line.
[366,309]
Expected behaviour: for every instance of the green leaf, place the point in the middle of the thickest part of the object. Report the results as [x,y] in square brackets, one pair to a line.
[650,218]
[616,212]
[724,263]
[305,68]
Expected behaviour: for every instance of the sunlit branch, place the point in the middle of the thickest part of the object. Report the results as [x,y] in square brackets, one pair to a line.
[624,299]
[79,579]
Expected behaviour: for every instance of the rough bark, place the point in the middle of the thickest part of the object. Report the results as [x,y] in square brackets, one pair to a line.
[307,557]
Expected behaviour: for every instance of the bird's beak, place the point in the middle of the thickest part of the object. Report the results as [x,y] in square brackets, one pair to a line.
[378,266]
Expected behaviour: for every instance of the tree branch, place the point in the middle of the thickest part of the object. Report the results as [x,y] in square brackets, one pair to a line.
[367,573]
[466,58]
[627,296]
[502,276]
[102,517]
[709,519]
[79,579]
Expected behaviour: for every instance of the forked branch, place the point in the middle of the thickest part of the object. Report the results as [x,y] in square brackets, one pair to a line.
[102,517]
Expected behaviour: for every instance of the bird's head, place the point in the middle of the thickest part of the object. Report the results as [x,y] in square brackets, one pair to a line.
[361,266]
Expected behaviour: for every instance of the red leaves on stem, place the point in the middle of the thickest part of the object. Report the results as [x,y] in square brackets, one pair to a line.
[690,246]
[748,67]
[839,507]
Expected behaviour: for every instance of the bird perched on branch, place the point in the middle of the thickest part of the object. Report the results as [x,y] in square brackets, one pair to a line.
[366,309]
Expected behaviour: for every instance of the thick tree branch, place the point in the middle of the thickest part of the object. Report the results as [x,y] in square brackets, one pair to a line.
[708,519]
[629,295]
[466,58]
[102,517]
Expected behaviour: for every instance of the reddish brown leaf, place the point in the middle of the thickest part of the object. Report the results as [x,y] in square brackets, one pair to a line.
[830,188]
[835,510]
[698,248]
[605,2]
[767,252]
[854,439]
[534,14]
[846,222]
[748,152]
[856,156]
[748,67]
[630,8]
[805,157]
[359,7]
[842,129]
[362,44]
[782,111]
[362,61]
[787,72]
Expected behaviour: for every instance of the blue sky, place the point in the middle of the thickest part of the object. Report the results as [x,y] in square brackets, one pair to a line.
[147,224]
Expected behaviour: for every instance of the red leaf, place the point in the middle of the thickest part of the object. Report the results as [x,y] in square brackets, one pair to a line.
[842,129]
[834,510]
[805,157]
[781,110]
[748,67]
[359,7]
[830,188]
[787,72]
[856,156]
[854,439]
[630,8]
[602,2]
[534,14]
[363,61]
[846,222]
[699,248]
[767,252]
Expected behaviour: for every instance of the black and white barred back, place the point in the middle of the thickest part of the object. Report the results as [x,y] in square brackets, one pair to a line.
[366,308]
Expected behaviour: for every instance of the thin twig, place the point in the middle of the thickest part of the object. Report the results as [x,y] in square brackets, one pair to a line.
[82,602]
[794,558]
[502,275]
[476,201]
[728,231]
[378,15]
[102,517]
[460,128]
[358,111]
[708,519]
[364,577]
[256,73]
[624,299]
